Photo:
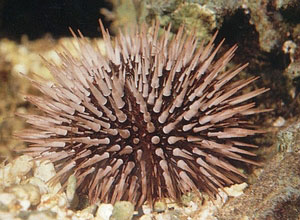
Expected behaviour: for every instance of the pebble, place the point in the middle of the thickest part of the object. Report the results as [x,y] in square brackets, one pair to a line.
[44,215]
[21,166]
[39,183]
[160,206]
[146,209]
[6,177]
[82,215]
[35,197]
[49,201]
[8,199]
[45,171]
[7,216]
[71,192]
[104,211]
[123,210]
[27,192]
[279,122]
[164,216]
[90,209]
[145,217]
[236,189]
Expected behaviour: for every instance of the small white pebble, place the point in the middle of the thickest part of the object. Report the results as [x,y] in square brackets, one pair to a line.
[45,171]
[146,209]
[8,199]
[21,166]
[82,216]
[236,189]
[191,208]
[279,122]
[222,197]
[25,204]
[39,216]
[71,188]
[145,217]
[104,211]
[49,201]
[6,177]
[26,192]
[163,216]
[20,68]
[39,183]
[7,216]
[160,206]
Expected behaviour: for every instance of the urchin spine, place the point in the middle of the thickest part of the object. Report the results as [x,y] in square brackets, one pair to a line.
[153,118]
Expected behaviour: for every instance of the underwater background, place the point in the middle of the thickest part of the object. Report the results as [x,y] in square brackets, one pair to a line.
[267,33]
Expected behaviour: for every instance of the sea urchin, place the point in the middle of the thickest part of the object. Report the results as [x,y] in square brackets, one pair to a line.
[153,118]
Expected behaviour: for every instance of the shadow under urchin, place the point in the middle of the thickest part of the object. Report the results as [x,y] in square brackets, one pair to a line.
[156,117]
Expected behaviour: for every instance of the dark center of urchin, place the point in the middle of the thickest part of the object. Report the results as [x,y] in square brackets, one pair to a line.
[154,118]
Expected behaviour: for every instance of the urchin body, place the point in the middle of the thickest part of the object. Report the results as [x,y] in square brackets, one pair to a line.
[153,118]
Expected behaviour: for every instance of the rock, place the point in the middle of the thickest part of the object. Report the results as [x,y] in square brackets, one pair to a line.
[44,215]
[7,216]
[39,183]
[145,217]
[71,192]
[49,201]
[104,211]
[21,166]
[236,189]
[275,194]
[123,210]
[27,192]
[165,216]
[45,171]
[160,206]
[146,209]
[8,199]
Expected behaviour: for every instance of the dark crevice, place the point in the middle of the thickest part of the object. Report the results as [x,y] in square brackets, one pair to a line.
[291,13]
[36,18]
[236,29]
